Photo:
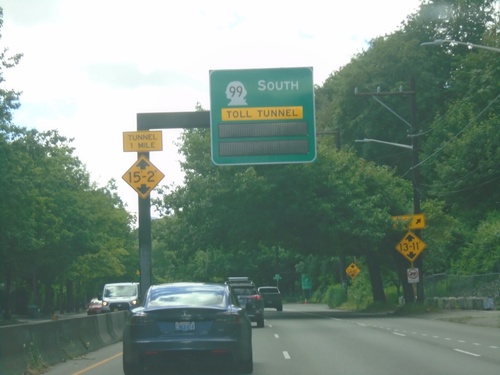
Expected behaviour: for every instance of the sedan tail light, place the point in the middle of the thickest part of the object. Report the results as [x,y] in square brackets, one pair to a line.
[141,319]
[227,318]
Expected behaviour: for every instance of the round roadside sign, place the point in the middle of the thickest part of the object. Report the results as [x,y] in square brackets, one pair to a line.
[413,276]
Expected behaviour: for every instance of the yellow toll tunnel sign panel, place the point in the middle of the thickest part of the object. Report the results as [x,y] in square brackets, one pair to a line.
[143,176]
[416,221]
[142,141]
[410,246]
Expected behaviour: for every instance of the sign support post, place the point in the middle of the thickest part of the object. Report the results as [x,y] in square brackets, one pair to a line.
[145,240]
[147,121]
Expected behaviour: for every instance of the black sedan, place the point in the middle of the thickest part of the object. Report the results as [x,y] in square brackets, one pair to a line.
[182,325]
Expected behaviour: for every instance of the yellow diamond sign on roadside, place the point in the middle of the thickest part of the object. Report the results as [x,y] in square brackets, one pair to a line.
[352,270]
[143,176]
[411,246]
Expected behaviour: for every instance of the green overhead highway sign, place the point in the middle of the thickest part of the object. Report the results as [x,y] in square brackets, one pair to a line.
[262,116]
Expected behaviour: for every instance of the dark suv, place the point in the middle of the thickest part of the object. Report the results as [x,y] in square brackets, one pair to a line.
[272,297]
[248,297]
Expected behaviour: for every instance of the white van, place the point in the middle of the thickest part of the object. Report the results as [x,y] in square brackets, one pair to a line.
[120,297]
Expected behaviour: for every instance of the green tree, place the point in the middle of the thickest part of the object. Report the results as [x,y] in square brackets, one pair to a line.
[337,205]
[482,253]
[341,204]
[457,102]
[9,101]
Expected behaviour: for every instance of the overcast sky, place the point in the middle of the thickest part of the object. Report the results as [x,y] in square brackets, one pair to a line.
[90,66]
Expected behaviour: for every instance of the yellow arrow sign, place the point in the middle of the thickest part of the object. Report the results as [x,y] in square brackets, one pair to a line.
[411,246]
[416,221]
[143,176]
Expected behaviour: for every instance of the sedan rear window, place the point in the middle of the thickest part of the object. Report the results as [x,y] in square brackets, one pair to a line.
[269,290]
[242,291]
[205,298]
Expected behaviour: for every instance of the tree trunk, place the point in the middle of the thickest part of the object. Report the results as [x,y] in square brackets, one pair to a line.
[343,276]
[7,300]
[70,296]
[402,266]
[34,285]
[375,278]
[48,301]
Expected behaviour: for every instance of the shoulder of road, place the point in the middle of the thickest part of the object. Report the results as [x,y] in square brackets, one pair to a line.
[486,318]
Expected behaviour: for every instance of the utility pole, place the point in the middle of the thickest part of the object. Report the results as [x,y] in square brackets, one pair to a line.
[415,168]
[342,258]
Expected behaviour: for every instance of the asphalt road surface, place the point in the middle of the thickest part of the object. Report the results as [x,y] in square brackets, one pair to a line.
[311,339]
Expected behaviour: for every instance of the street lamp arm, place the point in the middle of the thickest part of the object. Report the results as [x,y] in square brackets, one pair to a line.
[384,142]
[441,41]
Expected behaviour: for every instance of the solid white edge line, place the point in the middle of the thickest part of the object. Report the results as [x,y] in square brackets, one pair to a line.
[468,353]
[286,355]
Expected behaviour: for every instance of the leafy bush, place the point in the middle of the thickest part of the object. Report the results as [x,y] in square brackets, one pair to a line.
[335,296]
[360,292]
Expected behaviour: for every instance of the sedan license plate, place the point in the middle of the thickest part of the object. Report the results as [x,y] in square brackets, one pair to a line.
[185,326]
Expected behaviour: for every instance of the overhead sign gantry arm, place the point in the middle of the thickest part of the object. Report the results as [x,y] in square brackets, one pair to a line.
[173,120]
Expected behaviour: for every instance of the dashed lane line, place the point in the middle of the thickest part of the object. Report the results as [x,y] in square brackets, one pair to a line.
[468,353]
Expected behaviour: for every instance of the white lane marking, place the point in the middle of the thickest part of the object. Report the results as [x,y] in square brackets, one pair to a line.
[396,332]
[276,336]
[468,353]
[286,355]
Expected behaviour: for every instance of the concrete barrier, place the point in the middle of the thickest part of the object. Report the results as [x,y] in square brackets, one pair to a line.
[36,345]
[103,329]
[463,303]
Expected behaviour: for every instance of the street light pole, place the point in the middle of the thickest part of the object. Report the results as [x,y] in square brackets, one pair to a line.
[438,42]
[384,142]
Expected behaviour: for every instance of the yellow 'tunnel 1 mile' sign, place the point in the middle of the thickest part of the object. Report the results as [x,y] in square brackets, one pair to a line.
[142,141]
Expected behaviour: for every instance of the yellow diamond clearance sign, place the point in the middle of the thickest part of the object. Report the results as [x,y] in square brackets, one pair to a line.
[352,270]
[143,176]
[410,246]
